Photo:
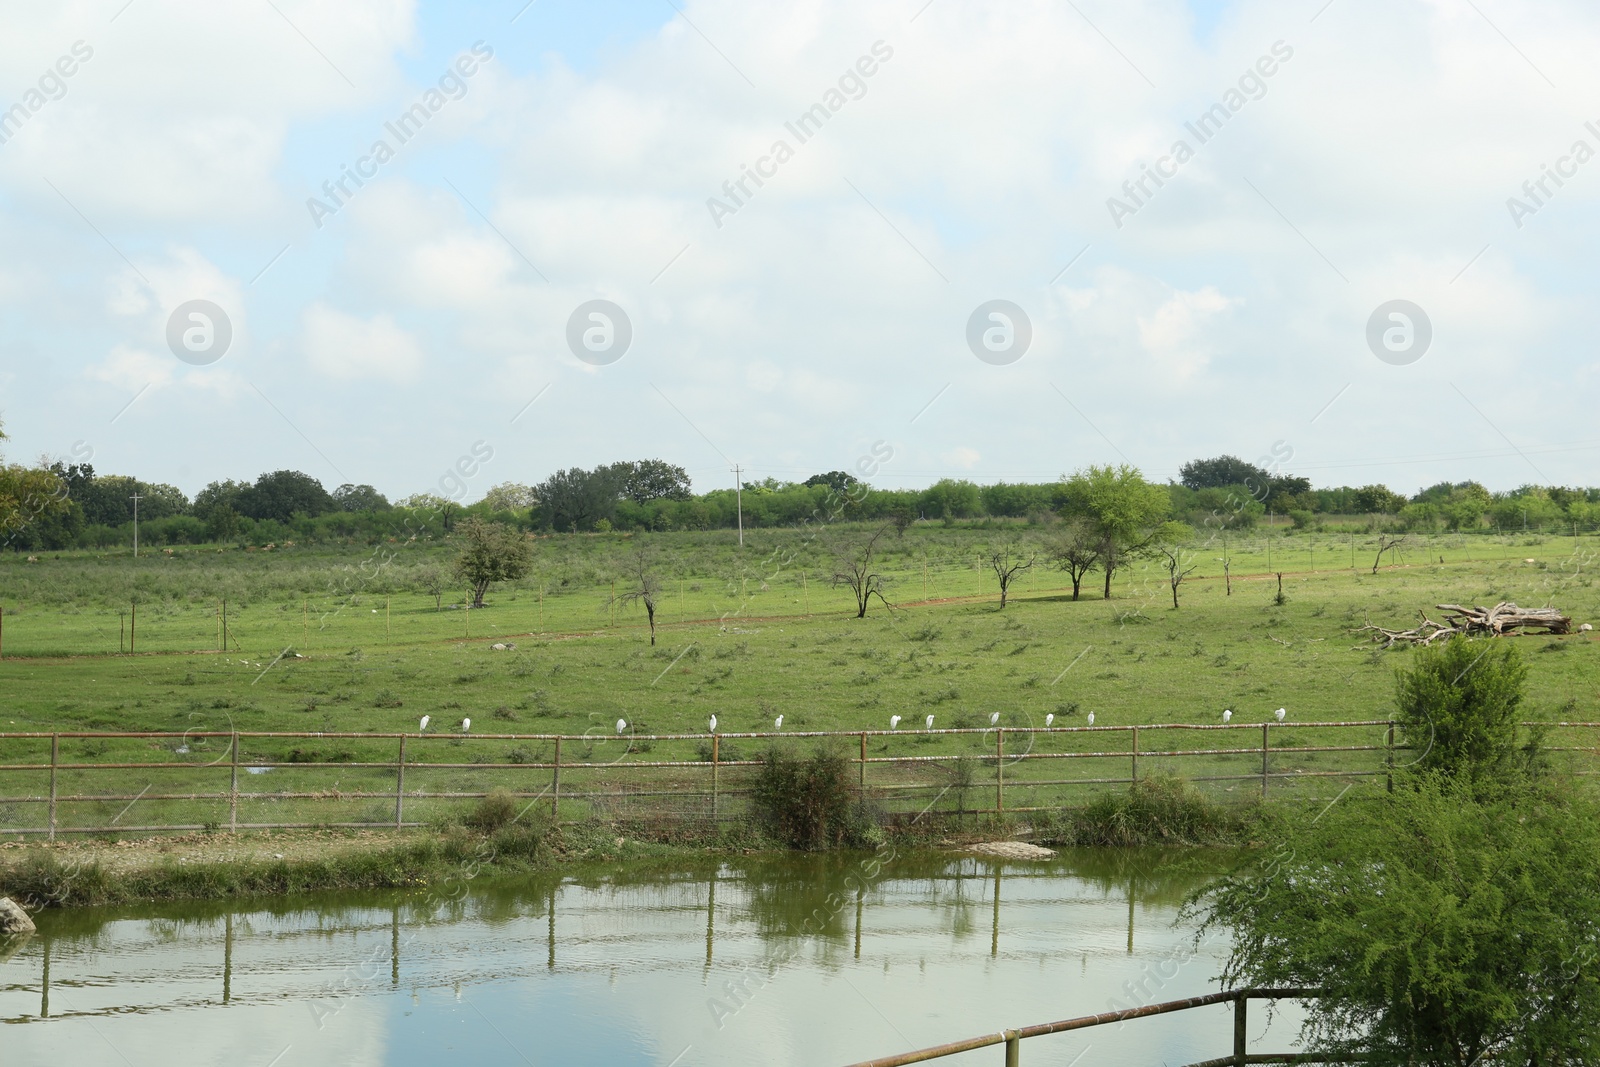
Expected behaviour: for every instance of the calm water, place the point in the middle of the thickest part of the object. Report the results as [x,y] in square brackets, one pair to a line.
[681,965]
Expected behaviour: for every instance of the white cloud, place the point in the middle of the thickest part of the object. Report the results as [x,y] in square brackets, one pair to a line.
[965,458]
[351,348]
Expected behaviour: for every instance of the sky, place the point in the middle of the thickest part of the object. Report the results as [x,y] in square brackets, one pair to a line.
[918,239]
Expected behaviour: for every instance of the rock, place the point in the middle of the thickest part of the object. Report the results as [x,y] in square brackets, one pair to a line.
[505,647]
[11,944]
[1010,850]
[13,920]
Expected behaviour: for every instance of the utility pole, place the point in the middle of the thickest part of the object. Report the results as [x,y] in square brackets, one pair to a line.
[738,496]
[136,499]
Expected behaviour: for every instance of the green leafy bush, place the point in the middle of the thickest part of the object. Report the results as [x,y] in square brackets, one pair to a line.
[1458,703]
[809,804]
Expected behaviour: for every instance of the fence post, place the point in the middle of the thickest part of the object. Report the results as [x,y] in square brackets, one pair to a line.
[999,771]
[1390,760]
[1134,776]
[1263,759]
[863,759]
[233,787]
[1239,1032]
[400,785]
[714,739]
[55,754]
[555,787]
[1013,1049]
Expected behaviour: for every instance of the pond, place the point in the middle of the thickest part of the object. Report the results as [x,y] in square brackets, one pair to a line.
[813,960]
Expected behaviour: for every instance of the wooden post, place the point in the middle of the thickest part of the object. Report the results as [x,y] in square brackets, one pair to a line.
[999,770]
[1134,775]
[611,607]
[55,756]
[1013,1049]
[233,787]
[1239,1032]
[400,785]
[469,613]
[555,787]
[1263,759]
[219,627]
[541,607]
[2,629]
[386,616]
[863,759]
[133,621]
[224,624]
[305,623]
[122,633]
[1390,760]
[805,591]
[714,769]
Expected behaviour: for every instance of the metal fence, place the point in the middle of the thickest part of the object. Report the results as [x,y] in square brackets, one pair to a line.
[1012,1039]
[91,782]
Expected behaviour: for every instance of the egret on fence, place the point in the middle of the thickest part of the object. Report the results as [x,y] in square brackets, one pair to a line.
[1091,718]
[894,722]
[994,719]
[713,724]
[466,724]
[1280,713]
[777,724]
[422,727]
[930,722]
[1049,718]
[622,724]
[1227,714]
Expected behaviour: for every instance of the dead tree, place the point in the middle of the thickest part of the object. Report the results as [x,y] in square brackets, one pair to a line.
[1009,563]
[1172,558]
[1076,551]
[1384,545]
[646,587]
[1503,618]
[853,567]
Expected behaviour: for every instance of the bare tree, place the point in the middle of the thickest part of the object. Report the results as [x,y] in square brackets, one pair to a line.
[1077,551]
[1172,559]
[1010,561]
[646,586]
[432,580]
[1384,545]
[853,566]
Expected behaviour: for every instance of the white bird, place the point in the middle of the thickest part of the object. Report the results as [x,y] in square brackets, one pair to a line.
[1050,718]
[466,724]
[1227,714]
[423,726]
[777,724]
[995,718]
[713,724]
[622,724]
[1280,713]
[1091,718]
[930,722]
[894,722]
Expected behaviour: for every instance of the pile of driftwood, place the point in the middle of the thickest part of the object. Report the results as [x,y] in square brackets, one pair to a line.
[1497,621]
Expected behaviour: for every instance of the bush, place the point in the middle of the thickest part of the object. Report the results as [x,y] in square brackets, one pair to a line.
[1458,702]
[1159,809]
[809,804]
[493,811]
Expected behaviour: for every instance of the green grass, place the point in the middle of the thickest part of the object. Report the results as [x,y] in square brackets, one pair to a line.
[736,639]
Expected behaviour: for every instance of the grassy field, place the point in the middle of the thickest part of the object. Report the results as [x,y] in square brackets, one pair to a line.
[345,642]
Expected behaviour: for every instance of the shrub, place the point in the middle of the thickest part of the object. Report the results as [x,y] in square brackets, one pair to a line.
[1159,809]
[808,804]
[1458,702]
[493,811]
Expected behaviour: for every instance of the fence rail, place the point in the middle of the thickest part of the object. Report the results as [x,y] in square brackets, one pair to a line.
[1020,770]
[1012,1039]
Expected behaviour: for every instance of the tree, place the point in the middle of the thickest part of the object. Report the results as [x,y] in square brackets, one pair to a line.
[27,496]
[646,586]
[1010,561]
[950,498]
[644,480]
[490,552]
[359,498]
[431,581]
[1385,544]
[281,495]
[1076,550]
[853,566]
[1378,500]
[575,499]
[1127,513]
[1172,559]
[1222,471]
[1458,702]
[838,481]
[1445,924]
[510,496]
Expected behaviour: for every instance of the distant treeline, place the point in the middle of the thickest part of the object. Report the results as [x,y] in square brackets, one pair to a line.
[66,506]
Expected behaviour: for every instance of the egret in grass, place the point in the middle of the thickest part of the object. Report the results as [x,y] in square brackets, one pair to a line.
[622,724]
[1050,718]
[713,724]
[466,724]
[777,724]
[1280,713]
[894,722]
[994,719]
[422,727]
[1091,718]
[930,722]
[1227,713]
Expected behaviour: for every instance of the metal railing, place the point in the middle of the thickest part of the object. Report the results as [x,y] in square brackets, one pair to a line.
[1012,1039]
[566,774]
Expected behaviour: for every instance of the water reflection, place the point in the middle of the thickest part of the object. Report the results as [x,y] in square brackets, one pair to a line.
[773,959]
